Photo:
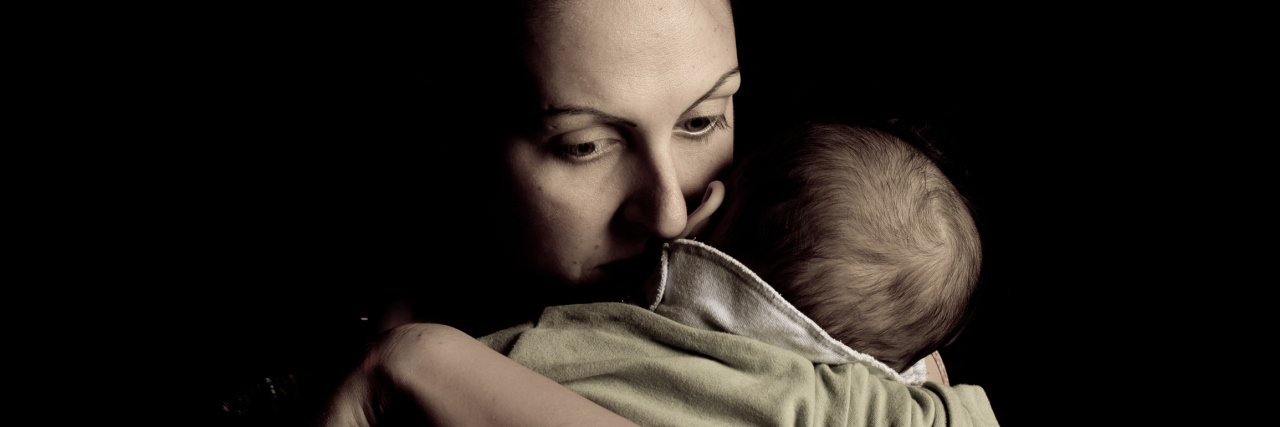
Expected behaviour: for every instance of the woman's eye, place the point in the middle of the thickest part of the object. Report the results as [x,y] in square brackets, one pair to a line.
[586,151]
[700,126]
[581,150]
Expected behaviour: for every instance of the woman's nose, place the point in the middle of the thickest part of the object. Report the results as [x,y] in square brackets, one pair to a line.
[656,202]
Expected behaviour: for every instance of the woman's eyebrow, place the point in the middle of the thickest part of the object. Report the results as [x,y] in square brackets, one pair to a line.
[719,83]
[570,110]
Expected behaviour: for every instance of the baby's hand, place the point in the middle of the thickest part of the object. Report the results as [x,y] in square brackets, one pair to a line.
[710,202]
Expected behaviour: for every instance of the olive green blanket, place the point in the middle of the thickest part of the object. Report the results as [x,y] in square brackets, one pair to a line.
[657,372]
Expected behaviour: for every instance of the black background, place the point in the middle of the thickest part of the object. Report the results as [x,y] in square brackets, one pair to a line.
[288,211]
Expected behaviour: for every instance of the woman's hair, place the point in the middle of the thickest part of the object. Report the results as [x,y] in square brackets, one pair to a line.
[467,92]
[861,232]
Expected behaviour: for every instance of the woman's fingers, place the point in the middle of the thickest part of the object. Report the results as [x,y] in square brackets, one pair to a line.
[711,200]
[352,405]
[438,373]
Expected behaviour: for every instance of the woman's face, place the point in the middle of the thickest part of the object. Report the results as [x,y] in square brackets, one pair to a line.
[637,115]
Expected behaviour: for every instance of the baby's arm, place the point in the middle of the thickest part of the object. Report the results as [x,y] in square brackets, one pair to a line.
[456,380]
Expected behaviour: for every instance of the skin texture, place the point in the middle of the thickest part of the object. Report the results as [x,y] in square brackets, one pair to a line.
[629,93]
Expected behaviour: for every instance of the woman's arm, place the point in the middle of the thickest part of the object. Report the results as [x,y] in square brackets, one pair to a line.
[456,380]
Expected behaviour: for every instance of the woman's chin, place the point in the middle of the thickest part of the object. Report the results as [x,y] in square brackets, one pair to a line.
[611,282]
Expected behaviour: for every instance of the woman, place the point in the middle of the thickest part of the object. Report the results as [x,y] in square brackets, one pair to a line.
[634,118]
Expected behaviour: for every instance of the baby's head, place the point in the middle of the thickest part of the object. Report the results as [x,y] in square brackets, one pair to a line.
[860,231]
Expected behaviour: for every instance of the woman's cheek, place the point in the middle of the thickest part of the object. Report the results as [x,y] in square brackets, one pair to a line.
[700,164]
[577,204]
[536,185]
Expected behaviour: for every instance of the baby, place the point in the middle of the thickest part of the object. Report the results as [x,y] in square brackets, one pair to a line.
[841,257]
[858,230]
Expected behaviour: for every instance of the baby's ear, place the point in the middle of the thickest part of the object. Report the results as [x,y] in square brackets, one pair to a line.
[710,202]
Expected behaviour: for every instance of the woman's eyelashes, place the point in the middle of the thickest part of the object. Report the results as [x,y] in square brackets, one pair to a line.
[586,151]
[591,144]
[699,128]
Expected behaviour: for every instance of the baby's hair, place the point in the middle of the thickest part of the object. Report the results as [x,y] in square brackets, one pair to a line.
[862,232]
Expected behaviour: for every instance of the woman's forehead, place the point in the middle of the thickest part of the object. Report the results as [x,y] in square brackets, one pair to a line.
[596,53]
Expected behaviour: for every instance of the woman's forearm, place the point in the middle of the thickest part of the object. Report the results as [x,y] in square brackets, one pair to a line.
[456,380]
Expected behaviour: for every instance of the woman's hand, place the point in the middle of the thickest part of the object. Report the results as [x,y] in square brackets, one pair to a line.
[452,379]
[711,199]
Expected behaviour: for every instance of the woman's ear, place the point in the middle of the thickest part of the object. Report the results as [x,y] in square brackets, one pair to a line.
[711,200]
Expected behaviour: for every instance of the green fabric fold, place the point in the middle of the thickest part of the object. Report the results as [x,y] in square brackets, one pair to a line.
[657,372]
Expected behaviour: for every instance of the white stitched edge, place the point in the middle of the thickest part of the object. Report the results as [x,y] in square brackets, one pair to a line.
[778,300]
[662,277]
